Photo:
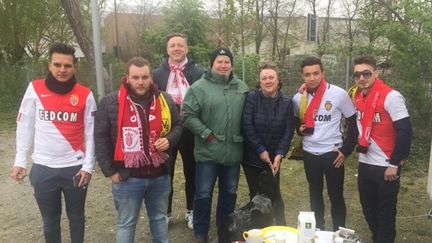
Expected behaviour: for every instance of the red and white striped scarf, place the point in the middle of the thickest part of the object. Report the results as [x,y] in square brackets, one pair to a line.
[129,148]
[177,84]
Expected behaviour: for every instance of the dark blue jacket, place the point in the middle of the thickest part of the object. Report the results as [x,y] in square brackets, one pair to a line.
[267,125]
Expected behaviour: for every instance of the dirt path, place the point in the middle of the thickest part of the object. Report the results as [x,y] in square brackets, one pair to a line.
[20,219]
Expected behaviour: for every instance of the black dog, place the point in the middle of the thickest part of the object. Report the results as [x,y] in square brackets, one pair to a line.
[258,213]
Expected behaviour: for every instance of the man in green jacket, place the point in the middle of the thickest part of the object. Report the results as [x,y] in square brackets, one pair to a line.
[212,110]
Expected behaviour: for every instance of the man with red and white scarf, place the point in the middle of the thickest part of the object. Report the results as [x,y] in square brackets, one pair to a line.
[174,76]
[137,129]
[385,140]
[320,108]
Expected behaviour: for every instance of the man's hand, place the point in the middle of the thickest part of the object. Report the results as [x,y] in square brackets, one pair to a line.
[85,178]
[276,164]
[340,159]
[301,129]
[390,174]
[18,173]
[162,144]
[116,178]
[264,156]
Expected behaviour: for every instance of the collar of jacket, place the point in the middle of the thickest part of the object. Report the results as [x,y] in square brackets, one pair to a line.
[165,63]
[216,78]
[279,94]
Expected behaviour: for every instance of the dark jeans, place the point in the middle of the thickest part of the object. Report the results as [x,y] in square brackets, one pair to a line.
[206,175]
[316,167]
[378,199]
[252,173]
[48,184]
[185,147]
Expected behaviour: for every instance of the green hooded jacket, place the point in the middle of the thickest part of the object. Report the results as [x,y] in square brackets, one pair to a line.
[214,105]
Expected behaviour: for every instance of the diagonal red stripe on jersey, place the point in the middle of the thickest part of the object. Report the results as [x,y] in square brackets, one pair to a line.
[65,111]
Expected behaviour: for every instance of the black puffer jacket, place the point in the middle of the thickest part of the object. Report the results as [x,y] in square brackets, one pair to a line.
[192,72]
[267,124]
[105,134]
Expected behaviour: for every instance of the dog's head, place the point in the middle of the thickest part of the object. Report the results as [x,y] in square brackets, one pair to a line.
[266,184]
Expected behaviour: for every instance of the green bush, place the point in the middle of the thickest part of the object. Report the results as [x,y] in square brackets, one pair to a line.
[13,82]
[251,64]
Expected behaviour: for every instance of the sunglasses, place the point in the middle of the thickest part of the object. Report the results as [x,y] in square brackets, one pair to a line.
[366,74]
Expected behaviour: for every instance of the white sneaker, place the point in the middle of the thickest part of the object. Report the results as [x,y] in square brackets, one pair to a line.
[189,219]
[168,219]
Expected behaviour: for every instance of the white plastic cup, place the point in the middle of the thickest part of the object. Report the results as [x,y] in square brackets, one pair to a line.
[339,240]
[280,239]
[253,236]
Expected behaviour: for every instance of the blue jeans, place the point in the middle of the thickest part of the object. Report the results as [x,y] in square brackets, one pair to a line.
[128,196]
[205,178]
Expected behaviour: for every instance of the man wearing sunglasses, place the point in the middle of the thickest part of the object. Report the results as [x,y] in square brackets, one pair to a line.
[385,139]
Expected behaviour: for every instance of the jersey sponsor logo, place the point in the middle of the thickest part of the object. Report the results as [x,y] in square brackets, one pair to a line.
[376,119]
[47,115]
[328,105]
[323,118]
[74,100]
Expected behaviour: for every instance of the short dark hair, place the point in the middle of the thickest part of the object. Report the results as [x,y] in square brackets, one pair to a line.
[62,48]
[310,61]
[177,34]
[139,62]
[272,66]
[366,59]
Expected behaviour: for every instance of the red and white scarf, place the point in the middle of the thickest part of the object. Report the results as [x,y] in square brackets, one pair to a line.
[313,107]
[131,132]
[177,84]
[368,115]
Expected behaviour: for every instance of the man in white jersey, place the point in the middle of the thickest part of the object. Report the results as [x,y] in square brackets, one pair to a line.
[320,107]
[385,140]
[56,117]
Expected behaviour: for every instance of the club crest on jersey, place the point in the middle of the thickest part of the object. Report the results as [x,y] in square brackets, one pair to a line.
[328,105]
[74,99]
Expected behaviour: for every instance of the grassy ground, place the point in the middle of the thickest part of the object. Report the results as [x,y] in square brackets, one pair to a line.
[20,219]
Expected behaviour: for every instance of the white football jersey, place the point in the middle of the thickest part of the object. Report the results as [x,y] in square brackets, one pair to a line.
[59,126]
[335,104]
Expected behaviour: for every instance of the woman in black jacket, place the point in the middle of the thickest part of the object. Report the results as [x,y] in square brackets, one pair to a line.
[268,129]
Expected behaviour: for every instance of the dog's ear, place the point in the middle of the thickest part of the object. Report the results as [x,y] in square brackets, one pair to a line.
[264,182]
[268,170]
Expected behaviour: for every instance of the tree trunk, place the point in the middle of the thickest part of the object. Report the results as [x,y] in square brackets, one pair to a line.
[79,28]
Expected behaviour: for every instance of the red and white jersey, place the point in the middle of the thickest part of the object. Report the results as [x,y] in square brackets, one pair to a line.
[390,108]
[327,135]
[59,126]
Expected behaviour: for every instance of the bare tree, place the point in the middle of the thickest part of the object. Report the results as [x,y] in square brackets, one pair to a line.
[326,25]
[145,9]
[259,22]
[351,8]
[274,14]
[82,34]
[284,49]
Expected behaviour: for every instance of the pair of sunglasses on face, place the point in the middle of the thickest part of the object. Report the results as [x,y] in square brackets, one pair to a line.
[366,74]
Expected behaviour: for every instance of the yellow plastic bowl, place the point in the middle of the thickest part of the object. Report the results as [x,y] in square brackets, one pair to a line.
[270,232]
